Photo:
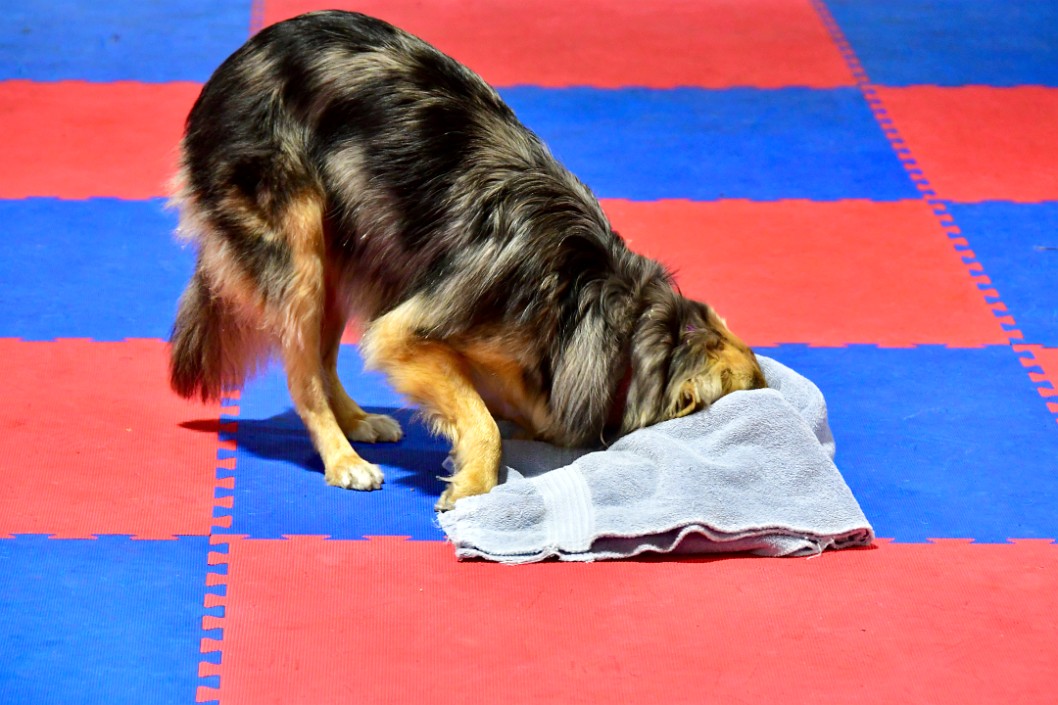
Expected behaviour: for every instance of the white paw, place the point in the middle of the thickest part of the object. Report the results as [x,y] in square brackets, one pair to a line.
[375,428]
[354,474]
[386,427]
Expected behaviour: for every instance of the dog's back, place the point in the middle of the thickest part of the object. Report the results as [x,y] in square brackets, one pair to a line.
[423,178]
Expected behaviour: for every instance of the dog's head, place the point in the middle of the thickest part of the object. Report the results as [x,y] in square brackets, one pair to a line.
[683,358]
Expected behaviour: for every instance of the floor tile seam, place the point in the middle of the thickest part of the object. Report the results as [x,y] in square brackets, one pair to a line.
[215,600]
[958,240]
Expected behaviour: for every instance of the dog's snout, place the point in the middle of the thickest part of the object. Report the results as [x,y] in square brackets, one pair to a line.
[740,369]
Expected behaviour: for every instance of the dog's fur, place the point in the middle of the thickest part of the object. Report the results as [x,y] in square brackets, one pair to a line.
[337,166]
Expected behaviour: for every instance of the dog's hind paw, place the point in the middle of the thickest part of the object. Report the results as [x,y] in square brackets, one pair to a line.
[354,473]
[375,428]
[386,427]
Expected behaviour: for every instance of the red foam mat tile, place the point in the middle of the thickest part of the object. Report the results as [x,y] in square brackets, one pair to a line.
[93,442]
[823,273]
[977,143]
[394,621]
[73,139]
[713,43]
[1046,361]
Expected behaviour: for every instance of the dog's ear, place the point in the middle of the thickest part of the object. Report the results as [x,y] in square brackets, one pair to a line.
[654,337]
[688,387]
[590,363]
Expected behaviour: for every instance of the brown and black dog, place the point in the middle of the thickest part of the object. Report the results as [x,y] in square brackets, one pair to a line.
[335,166]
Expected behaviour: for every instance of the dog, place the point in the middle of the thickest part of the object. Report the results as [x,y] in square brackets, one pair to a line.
[335,167]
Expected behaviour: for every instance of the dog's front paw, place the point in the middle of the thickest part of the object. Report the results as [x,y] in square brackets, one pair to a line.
[447,502]
[354,473]
[458,488]
[374,428]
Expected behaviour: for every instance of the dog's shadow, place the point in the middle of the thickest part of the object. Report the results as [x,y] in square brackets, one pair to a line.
[283,438]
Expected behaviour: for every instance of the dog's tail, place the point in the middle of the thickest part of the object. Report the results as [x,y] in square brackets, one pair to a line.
[212,348]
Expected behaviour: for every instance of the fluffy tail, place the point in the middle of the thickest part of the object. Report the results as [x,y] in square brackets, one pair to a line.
[212,350]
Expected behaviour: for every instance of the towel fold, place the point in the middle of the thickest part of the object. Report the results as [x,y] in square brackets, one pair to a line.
[754,472]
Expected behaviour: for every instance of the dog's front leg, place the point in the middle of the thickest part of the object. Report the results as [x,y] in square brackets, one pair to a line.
[433,375]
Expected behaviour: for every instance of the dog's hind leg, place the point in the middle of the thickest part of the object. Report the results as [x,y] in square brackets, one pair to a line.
[436,377]
[301,324]
[356,424]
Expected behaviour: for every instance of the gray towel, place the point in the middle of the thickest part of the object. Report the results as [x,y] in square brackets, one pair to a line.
[754,472]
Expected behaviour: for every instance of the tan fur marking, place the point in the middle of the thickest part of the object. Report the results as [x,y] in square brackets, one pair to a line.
[356,424]
[497,367]
[300,323]
[736,359]
[347,411]
[435,376]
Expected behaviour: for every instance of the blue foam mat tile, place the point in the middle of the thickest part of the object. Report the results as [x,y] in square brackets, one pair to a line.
[279,485]
[952,42]
[1017,245]
[643,144]
[926,438]
[106,620]
[131,40]
[102,268]
[938,442]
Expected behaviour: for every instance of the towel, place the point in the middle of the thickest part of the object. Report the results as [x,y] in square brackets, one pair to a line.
[753,473]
